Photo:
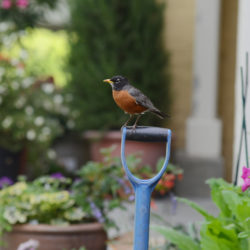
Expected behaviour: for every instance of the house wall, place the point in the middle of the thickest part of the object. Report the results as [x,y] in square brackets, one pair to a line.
[227,68]
[179,37]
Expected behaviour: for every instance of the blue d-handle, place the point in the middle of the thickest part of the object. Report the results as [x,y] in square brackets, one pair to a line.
[144,188]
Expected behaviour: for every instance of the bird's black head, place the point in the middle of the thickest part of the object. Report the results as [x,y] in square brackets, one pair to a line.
[117,82]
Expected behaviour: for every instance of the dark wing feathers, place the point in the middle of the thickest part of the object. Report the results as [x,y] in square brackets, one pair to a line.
[144,101]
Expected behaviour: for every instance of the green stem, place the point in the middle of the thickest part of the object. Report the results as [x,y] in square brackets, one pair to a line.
[244,90]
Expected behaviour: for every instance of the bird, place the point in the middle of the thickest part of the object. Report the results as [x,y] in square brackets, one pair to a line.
[131,100]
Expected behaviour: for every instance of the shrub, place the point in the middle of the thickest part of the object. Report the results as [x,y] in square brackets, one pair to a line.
[47,52]
[111,37]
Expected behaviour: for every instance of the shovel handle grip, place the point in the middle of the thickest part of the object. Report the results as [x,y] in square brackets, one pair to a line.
[147,134]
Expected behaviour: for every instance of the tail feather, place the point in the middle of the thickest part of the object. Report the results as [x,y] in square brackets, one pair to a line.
[159,113]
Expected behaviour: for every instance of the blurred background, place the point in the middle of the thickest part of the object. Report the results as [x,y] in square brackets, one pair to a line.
[56,113]
[177,53]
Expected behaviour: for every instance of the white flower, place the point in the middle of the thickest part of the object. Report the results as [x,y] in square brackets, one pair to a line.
[8,40]
[7,122]
[30,244]
[19,71]
[2,89]
[51,154]
[31,135]
[4,26]
[20,102]
[29,110]
[23,54]
[58,99]
[39,121]
[14,61]
[15,85]
[27,82]
[70,124]
[65,110]
[46,131]
[48,88]
[47,105]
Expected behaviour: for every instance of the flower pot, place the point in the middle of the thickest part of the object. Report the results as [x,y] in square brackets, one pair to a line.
[90,235]
[150,151]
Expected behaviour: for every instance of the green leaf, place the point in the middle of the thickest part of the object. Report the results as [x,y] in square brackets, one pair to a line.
[217,186]
[217,237]
[197,208]
[181,240]
[244,235]
[239,206]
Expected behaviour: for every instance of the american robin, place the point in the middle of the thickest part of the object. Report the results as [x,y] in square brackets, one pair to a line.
[131,100]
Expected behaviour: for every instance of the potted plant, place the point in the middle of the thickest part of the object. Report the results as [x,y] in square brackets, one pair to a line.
[33,114]
[63,213]
[167,182]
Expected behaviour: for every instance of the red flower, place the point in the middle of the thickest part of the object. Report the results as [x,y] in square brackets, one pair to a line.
[169,184]
[170,177]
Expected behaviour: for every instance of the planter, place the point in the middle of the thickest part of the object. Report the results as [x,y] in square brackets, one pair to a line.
[90,235]
[151,151]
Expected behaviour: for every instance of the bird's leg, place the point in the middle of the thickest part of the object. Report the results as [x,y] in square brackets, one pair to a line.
[137,119]
[126,123]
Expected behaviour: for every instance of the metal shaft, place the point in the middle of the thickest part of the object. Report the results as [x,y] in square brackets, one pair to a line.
[142,217]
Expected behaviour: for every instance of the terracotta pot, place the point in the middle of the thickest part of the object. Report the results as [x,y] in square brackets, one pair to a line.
[151,151]
[90,235]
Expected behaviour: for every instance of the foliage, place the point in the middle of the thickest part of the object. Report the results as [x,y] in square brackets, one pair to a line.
[58,200]
[24,13]
[34,112]
[101,181]
[46,52]
[113,37]
[168,180]
[229,230]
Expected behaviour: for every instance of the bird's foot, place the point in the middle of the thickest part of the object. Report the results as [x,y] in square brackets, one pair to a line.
[134,128]
[124,125]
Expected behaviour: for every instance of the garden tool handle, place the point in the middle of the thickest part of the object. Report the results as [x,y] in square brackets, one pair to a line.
[146,134]
[144,188]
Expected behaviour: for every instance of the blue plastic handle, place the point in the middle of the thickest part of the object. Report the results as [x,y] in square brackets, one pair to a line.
[144,188]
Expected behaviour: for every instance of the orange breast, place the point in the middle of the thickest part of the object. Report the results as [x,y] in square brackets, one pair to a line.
[127,103]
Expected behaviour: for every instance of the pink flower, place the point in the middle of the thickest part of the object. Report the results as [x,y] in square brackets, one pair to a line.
[22,4]
[6,4]
[246,178]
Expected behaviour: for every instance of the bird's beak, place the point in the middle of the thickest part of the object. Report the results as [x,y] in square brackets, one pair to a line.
[108,81]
